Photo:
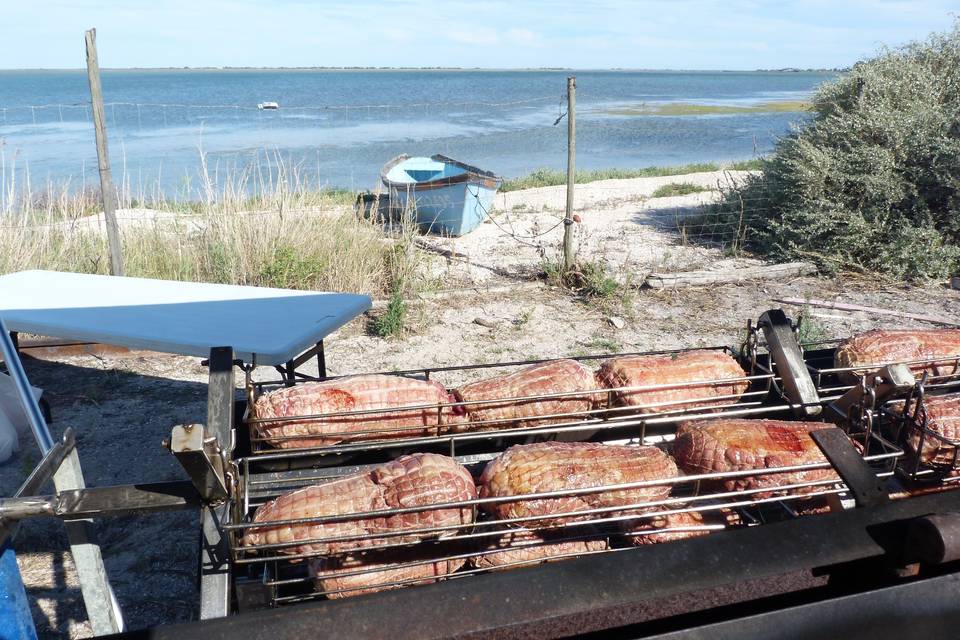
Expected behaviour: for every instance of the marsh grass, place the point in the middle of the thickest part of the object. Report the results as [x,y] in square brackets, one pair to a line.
[678,189]
[273,228]
[593,282]
[695,109]
[552,177]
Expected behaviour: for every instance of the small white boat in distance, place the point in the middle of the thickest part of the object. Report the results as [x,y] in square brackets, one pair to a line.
[268,105]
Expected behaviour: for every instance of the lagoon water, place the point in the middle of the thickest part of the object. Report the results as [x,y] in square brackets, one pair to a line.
[337,127]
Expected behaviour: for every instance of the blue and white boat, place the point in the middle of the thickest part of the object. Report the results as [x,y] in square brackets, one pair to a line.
[444,196]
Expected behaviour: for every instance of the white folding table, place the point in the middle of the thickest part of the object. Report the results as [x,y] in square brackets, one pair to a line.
[226,323]
[264,326]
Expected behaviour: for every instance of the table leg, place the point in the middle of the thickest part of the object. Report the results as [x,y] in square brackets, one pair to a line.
[103,610]
[214,552]
[101,603]
[321,361]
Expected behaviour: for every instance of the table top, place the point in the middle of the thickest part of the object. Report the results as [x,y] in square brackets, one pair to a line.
[263,325]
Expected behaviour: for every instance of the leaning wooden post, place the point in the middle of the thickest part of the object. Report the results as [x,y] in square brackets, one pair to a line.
[568,257]
[103,157]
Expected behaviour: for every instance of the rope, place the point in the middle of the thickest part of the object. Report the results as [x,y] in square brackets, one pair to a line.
[511,233]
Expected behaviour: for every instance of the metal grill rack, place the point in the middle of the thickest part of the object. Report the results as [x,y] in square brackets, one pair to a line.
[282,578]
[910,419]
[286,579]
[604,420]
[872,383]
[233,471]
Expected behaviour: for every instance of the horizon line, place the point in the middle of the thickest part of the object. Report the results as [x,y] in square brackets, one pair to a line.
[404,68]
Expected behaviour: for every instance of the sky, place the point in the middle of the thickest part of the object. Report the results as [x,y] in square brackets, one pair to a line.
[583,34]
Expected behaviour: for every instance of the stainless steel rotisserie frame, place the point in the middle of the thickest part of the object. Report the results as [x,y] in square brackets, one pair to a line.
[913,419]
[576,593]
[623,595]
[604,417]
[752,505]
[286,582]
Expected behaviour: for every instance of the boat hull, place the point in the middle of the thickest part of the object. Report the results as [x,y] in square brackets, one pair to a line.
[443,196]
[451,210]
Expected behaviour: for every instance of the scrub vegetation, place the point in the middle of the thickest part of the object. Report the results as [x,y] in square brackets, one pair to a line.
[872,182]
[287,234]
[697,109]
[552,177]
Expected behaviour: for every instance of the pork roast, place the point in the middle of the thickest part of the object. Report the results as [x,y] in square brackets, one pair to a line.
[417,480]
[355,393]
[723,445]
[559,466]
[673,369]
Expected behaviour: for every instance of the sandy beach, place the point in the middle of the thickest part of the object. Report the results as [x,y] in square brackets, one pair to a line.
[122,404]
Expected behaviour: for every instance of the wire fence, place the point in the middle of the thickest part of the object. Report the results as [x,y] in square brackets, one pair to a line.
[257,161]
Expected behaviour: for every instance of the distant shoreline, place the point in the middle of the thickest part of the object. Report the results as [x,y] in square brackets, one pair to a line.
[440,69]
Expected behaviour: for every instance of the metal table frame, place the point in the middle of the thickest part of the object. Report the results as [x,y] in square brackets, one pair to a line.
[61,463]
[859,548]
[141,305]
[101,603]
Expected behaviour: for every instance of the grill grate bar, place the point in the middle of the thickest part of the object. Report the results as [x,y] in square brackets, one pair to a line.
[736,501]
[476,554]
[718,476]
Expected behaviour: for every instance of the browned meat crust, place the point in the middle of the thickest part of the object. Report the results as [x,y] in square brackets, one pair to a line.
[355,393]
[673,369]
[556,376]
[515,548]
[722,445]
[421,479]
[873,349]
[558,466]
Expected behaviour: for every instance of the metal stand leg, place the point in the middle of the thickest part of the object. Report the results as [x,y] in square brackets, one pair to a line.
[102,606]
[101,603]
[214,552]
[321,361]
[288,371]
[214,565]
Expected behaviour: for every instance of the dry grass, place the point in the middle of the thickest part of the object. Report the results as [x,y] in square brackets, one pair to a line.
[268,229]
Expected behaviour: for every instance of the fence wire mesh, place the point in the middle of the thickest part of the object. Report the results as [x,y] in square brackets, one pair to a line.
[260,166]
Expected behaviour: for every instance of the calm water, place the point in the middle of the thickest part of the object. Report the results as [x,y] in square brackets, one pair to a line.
[339,127]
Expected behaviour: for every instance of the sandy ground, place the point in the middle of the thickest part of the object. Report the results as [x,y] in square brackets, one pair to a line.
[620,225]
[122,406]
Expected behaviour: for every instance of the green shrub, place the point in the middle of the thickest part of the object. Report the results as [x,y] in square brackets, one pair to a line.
[592,282]
[872,181]
[552,177]
[392,322]
[677,189]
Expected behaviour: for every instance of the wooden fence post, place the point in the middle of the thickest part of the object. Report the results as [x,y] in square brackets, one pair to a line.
[103,157]
[568,256]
